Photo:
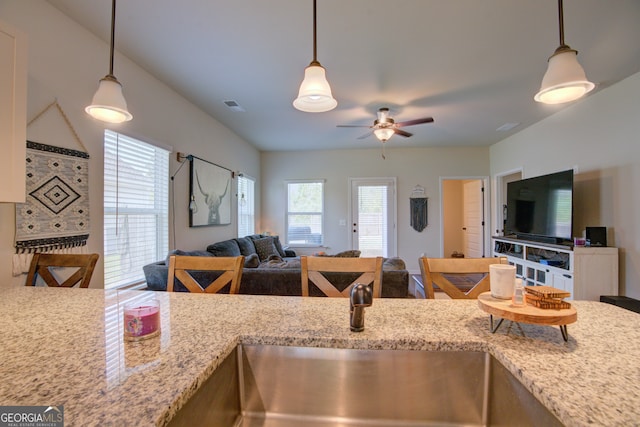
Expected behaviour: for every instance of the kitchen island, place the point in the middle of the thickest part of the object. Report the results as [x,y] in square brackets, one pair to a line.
[66,347]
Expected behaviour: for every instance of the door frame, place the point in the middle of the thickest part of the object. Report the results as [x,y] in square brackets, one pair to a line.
[393,236]
[499,198]
[486,197]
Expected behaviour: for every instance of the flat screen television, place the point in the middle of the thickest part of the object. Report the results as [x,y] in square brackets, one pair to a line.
[541,208]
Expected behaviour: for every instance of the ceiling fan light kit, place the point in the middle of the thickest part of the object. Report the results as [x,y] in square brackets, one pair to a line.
[565,79]
[315,95]
[108,103]
[384,127]
[383,134]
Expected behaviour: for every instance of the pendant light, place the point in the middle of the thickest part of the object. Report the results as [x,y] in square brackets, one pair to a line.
[315,93]
[108,104]
[565,79]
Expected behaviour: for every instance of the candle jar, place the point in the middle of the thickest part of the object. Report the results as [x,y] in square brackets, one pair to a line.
[141,320]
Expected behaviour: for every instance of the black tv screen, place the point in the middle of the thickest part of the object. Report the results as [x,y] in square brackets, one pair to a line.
[541,207]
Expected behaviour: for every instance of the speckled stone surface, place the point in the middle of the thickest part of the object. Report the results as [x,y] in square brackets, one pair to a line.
[65,347]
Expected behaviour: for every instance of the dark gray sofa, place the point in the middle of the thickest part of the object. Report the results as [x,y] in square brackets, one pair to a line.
[277,273]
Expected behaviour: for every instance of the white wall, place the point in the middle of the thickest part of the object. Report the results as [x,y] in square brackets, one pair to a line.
[65,61]
[599,136]
[411,166]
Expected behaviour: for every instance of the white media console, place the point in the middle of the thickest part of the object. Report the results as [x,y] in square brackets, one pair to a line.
[585,272]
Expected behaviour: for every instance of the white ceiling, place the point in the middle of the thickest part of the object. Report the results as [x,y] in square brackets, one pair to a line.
[472,65]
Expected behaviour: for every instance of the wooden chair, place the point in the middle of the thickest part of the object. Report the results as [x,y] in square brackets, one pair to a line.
[433,270]
[41,265]
[183,269]
[314,267]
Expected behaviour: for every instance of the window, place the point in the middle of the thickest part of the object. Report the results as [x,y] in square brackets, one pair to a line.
[246,206]
[304,213]
[136,192]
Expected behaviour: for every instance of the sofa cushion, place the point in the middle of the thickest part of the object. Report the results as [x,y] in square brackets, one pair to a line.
[251,261]
[393,264]
[274,261]
[265,248]
[246,246]
[180,252]
[225,248]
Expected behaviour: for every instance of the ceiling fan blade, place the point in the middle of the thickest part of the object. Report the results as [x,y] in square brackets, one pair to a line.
[415,122]
[353,126]
[366,135]
[402,133]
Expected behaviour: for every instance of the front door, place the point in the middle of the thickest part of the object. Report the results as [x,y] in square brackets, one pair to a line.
[373,216]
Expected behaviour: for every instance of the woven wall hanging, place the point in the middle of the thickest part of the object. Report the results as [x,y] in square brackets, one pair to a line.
[55,215]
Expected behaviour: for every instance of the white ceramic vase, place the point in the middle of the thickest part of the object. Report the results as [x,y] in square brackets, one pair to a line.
[502,279]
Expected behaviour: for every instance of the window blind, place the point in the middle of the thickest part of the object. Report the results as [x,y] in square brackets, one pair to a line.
[246,206]
[136,226]
[372,220]
[305,212]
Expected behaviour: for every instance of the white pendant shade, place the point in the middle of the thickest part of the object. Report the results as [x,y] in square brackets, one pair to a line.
[315,93]
[383,134]
[565,79]
[108,104]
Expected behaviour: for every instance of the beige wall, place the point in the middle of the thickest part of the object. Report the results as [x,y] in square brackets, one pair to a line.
[599,137]
[65,61]
[411,167]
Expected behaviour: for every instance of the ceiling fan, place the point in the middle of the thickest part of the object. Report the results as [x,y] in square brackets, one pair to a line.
[384,127]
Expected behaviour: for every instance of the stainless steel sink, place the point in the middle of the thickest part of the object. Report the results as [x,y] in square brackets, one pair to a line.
[279,386]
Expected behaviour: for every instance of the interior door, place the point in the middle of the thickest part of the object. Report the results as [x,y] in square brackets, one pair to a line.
[473,217]
[373,216]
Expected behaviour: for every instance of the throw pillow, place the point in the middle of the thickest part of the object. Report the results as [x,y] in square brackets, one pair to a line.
[265,248]
[251,261]
[225,248]
[278,245]
[246,246]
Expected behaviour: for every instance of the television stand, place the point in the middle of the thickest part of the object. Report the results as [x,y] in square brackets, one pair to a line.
[585,272]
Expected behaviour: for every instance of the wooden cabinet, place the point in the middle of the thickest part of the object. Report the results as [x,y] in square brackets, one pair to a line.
[13,111]
[585,272]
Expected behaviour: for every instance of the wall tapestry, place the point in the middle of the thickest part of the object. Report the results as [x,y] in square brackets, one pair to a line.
[418,213]
[56,212]
[210,190]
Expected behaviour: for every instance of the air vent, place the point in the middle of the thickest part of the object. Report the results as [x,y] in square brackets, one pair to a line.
[234,106]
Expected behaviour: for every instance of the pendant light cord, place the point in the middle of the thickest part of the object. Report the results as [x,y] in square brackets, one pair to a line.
[560,22]
[315,49]
[113,32]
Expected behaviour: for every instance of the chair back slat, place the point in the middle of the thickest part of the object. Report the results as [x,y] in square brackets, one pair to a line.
[42,265]
[182,268]
[312,269]
[434,270]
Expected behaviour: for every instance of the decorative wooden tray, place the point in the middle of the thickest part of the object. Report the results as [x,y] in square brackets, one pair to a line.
[529,314]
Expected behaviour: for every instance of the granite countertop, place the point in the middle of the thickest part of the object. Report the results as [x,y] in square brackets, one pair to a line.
[65,347]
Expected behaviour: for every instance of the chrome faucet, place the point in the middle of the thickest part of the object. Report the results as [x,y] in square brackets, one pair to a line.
[361,296]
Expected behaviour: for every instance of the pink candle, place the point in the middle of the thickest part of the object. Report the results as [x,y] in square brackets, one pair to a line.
[142,320]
